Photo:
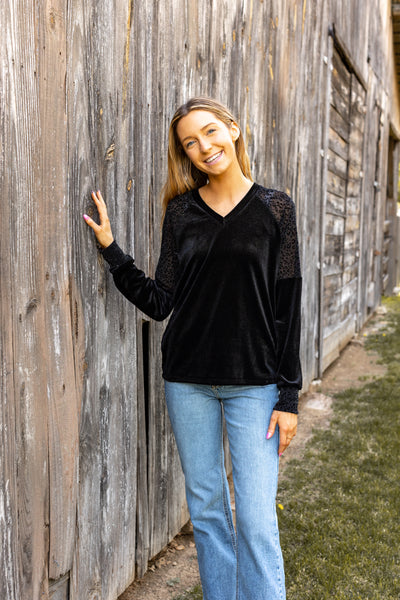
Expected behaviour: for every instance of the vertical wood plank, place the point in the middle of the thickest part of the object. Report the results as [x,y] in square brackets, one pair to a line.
[27,300]
[63,396]
[101,156]
[9,551]
[142,126]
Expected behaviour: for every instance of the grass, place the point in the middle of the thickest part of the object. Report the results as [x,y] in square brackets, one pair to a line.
[340,522]
[194,594]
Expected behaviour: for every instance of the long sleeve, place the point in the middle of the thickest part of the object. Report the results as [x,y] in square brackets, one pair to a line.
[152,296]
[288,309]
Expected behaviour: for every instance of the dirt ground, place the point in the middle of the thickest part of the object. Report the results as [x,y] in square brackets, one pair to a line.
[174,570]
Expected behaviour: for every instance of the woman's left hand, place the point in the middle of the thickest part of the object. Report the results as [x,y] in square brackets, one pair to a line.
[287,423]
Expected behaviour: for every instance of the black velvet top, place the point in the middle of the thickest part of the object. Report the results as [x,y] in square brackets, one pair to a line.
[234,286]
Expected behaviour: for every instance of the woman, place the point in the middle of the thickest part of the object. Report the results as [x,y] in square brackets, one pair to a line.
[229,270]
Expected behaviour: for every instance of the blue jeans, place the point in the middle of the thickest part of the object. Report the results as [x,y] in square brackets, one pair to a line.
[245,564]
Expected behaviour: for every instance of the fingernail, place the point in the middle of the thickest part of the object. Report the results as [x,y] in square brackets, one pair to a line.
[85,217]
[268,435]
[93,192]
[280,453]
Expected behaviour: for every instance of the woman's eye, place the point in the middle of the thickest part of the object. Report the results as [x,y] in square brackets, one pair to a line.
[189,144]
[211,130]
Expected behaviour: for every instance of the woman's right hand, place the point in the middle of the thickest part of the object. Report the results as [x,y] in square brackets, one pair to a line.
[103,231]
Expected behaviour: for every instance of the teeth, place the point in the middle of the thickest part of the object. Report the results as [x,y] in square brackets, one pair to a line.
[213,157]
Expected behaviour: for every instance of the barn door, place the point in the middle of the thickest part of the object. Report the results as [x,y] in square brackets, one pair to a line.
[375,246]
[373,213]
[390,223]
[341,239]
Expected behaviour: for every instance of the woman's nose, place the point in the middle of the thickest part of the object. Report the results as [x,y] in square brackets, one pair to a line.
[204,144]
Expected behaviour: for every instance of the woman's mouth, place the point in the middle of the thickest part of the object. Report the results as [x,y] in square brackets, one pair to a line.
[214,158]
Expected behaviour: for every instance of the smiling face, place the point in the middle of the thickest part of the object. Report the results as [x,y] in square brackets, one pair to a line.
[208,142]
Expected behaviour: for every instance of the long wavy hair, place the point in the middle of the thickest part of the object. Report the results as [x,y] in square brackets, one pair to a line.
[182,174]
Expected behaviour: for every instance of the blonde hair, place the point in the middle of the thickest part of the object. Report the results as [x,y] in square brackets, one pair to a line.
[182,174]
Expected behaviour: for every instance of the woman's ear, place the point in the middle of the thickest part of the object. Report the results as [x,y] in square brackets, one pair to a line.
[235,131]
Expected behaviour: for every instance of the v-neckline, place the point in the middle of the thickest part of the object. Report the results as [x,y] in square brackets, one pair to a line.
[242,202]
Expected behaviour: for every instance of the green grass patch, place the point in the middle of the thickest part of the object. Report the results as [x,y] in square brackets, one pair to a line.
[340,522]
[340,526]
[194,594]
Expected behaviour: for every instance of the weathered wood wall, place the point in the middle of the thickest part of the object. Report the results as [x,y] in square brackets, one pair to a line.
[90,483]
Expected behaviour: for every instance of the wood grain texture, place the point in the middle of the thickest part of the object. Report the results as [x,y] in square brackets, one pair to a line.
[63,396]
[90,484]
[28,483]
[9,549]
[101,157]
